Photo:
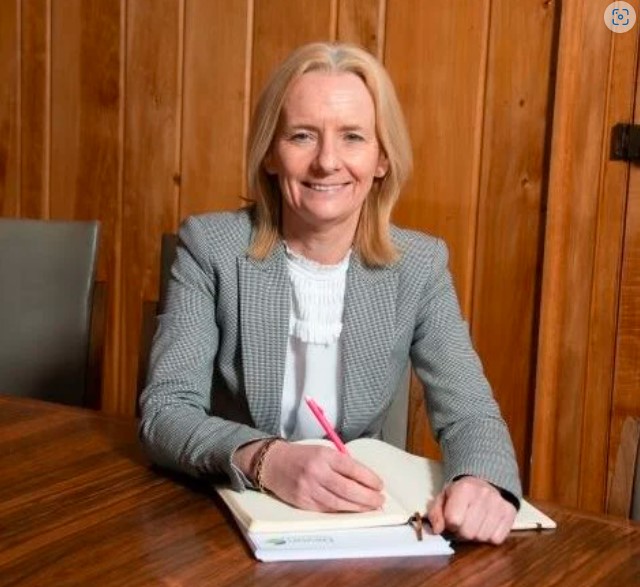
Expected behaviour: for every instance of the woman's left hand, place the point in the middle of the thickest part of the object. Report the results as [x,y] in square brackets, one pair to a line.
[472,509]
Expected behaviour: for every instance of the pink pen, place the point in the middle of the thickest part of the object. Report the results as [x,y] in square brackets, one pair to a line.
[331,433]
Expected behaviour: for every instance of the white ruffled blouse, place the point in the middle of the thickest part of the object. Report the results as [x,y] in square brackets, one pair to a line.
[313,364]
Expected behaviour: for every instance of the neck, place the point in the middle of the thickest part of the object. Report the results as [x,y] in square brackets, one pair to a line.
[327,246]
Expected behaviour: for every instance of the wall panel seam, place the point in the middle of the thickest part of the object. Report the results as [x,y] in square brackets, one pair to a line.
[381,29]
[592,275]
[477,173]
[334,18]
[620,273]
[18,110]
[179,134]
[248,89]
[118,309]
[46,183]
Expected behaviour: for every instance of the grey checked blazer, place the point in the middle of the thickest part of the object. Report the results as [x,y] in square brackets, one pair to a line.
[217,364]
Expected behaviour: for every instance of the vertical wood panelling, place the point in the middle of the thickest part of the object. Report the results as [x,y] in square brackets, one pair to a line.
[149,201]
[598,437]
[214,104]
[626,391]
[359,22]
[570,409]
[509,214]
[9,118]
[136,113]
[279,27]
[444,114]
[35,103]
[86,143]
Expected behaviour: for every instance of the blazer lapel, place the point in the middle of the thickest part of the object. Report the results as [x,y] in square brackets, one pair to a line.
[264,319]
[368,330]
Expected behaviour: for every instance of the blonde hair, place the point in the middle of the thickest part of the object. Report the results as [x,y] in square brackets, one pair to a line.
[372,240]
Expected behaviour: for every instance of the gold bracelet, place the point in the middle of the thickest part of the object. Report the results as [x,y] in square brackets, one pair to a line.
[260,461]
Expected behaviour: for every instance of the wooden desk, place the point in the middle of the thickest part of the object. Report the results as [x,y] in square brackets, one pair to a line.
[79,505]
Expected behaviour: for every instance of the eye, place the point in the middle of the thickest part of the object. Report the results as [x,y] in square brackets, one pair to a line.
[354,137]
[301,136]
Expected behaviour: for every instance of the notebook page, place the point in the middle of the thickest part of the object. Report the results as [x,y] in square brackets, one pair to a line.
[531,518]
[410,479]
[415,480]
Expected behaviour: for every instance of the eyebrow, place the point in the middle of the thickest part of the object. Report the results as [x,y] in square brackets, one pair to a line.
[307,126]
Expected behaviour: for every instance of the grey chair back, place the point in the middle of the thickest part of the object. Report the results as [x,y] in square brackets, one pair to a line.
[47,273]
[150,310]
[168,247]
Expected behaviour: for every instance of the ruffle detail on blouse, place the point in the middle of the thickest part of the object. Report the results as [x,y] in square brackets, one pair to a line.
[317,298]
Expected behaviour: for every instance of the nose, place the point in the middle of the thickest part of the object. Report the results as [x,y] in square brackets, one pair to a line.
[328,156]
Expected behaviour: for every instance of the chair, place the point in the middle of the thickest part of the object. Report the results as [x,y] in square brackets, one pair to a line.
[168,246]
[47,270]
[624,494]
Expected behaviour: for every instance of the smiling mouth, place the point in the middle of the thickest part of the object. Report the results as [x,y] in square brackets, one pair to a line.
[323,187]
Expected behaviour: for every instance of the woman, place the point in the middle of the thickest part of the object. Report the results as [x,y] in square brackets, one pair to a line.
[311,291]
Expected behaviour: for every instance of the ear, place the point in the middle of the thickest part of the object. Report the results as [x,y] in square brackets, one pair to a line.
[269,164]
[383,165]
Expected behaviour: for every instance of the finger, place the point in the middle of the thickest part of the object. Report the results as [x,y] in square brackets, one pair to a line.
[356,471]
[505,523]
[316,484]
[328,501]
[436,515]
[456,504]
[473,521]
[501,532]
[488,526]
[350,490]
[486,513]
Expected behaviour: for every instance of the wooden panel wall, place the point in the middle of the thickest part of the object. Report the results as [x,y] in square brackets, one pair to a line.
[577,417]
[625,400]
[511,200]
[626,390]
[479,173]
[151,160]
[9,109]
[138,112]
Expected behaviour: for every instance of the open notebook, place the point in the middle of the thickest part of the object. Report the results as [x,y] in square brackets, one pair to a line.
[410,482]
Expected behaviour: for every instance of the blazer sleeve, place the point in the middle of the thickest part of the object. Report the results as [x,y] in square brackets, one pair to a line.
[463,413]
[176,427]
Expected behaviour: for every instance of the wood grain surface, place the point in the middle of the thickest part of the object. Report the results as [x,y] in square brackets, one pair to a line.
[87,128]
[626,390]
[507,254]
[362,22]
[35,74]
[442,195]
[280,26]
[149,199]
[215,68]
[573,436]
[9,109]
[79,505]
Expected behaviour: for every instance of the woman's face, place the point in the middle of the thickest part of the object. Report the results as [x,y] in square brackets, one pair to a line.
[325,152]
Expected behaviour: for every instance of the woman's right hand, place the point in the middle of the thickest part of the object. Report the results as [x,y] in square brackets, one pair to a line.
[314,477]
